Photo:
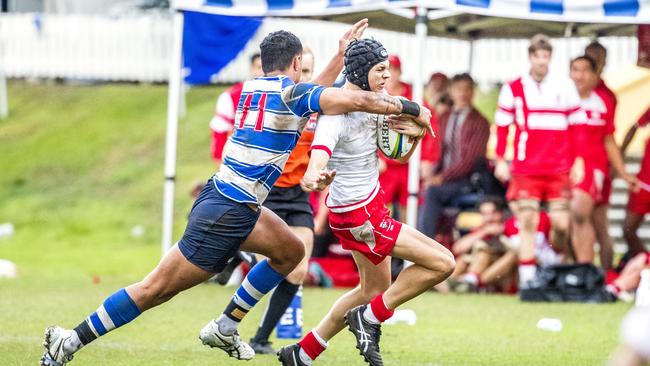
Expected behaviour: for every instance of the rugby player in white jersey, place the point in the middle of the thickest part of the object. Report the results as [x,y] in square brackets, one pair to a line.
[227,216]
[346,144]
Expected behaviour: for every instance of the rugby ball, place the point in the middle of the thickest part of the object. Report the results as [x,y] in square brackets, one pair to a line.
[392,144]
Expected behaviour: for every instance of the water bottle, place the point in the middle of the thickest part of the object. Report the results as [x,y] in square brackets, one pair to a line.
[643,292]
[6,230]
[550,324]
[290,325]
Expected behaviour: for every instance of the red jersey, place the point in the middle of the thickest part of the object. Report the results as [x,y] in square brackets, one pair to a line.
[644,174]
[430,148]
[223,121]
[599,108]
[603,89]
[544,114]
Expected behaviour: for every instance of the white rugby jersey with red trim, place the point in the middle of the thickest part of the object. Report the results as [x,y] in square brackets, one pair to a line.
[351,141]
[543,114]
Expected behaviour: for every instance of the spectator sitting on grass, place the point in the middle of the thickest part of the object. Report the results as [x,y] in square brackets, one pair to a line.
[480,248]
[622,288]
[500,272]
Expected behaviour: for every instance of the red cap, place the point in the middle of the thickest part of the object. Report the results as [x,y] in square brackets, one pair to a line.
[394,61]
[438,75]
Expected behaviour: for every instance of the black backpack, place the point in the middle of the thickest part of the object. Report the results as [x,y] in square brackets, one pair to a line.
[567,283]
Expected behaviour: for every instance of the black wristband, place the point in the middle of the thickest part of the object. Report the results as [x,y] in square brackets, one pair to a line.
[411,108]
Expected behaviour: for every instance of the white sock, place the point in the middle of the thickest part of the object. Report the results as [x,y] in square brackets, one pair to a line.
[471,278]
[527,272]
[613,289]
[226,325]
[72,344]
[370,316]
[304,357]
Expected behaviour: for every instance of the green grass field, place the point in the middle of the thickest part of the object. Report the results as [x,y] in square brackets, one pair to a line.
[81,166]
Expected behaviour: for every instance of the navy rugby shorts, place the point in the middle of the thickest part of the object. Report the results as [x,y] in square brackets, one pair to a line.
[216,228]
[292,205]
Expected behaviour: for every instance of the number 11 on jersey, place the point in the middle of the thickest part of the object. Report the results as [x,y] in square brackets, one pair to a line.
[249,105]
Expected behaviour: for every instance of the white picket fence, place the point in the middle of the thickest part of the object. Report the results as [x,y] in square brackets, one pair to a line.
[137,48]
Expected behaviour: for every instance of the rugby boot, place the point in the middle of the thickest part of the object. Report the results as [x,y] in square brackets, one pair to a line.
[290,356]
[55,355]
[231,344]
[366,334]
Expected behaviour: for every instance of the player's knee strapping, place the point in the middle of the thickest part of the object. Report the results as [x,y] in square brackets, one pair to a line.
[117,310]
[259,281]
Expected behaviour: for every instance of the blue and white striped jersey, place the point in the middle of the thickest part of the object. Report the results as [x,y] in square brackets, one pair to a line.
[271,115]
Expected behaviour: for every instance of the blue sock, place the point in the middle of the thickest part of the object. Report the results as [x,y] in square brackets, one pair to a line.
[259,281]
[117,310]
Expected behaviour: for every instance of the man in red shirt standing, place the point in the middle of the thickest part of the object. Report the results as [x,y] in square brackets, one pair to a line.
[223,121]
[639,202]
[543,109]
[598,149]
[598,53]
[393,175]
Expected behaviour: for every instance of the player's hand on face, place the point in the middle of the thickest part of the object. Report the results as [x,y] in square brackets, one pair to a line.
[355,32]
[405,126]
[502,171]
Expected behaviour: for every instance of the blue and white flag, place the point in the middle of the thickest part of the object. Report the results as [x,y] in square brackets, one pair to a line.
[211,41]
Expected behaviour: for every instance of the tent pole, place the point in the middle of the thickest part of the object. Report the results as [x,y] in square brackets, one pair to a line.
[173,101]
[182,109]
[471,56]
[418,91]
[4,103]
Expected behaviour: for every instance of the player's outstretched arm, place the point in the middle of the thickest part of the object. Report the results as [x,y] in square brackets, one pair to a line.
[328,76]
[317,177]
[338,101]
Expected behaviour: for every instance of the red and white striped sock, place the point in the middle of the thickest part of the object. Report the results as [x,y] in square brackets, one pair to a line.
[378,312]
[313,345]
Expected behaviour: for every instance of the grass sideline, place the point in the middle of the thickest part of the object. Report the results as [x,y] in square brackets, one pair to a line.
[81,166]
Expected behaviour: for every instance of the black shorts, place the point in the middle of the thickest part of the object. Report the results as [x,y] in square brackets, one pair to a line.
[292,205]
[216,228]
